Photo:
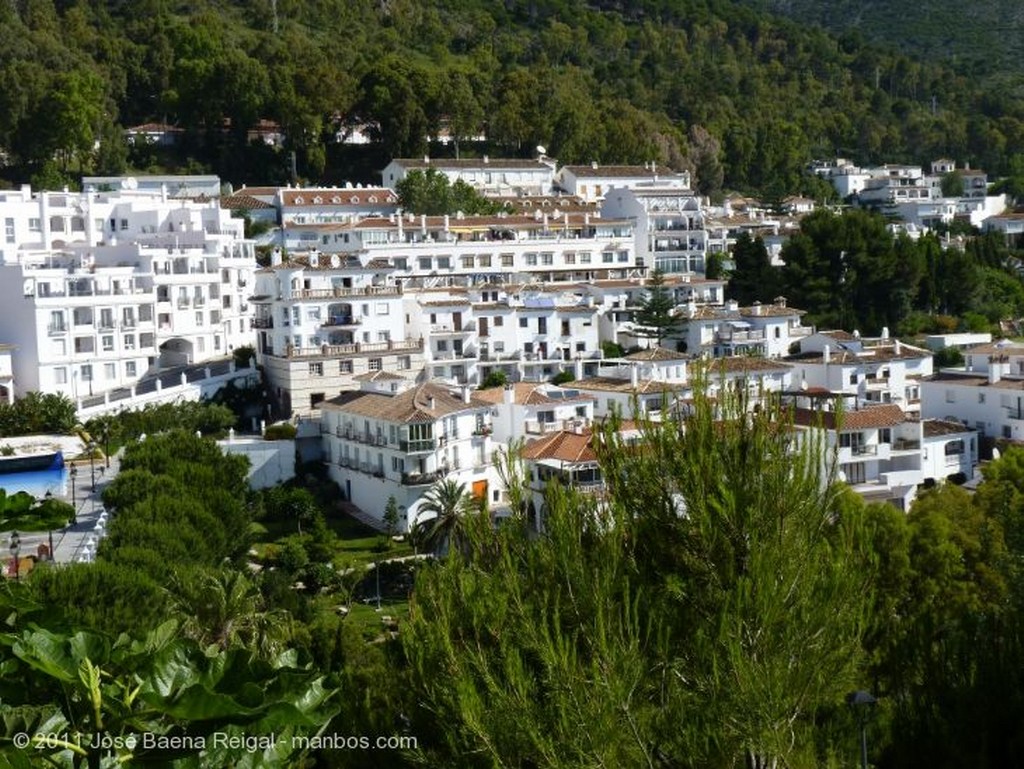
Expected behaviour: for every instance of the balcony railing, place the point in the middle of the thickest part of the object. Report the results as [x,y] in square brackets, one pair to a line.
[905,445]
[421,479]
[355,348]
[56,329]
[864,450]
[262,322]
[342,320]
[739,336]
[339,291]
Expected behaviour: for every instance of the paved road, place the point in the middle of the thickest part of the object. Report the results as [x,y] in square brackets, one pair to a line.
[69,544]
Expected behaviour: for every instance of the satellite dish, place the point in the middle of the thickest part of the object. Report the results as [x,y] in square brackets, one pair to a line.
[542,149]
[129,183]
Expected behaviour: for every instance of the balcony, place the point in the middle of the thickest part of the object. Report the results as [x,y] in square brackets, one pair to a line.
[420,446]
[341,320]
[482,431]
[128,323]
[262,322]
[57,329]
[877,383]
[735,337]
[356,348]
[183,304]
[421,479]
[341,291]
[901,444]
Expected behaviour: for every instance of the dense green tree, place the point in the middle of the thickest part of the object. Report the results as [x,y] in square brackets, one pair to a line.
[430,192]
[441,517]
[753,278]
[656,316]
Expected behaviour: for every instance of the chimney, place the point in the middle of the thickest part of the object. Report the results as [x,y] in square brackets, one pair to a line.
[577,368]
[634,376]
[885,332]
[465,394]
[276,258]
[593,164]
[508,395]
[995,368]
[732,305]
[431,402]
[447,221]
[898,348]
[423,223]
[755,308]
[486,159]
[826,354]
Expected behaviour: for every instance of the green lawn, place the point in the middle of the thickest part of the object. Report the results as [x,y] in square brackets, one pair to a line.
[357,544]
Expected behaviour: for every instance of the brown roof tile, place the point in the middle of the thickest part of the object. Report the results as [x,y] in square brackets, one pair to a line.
[933,428]
[886,415]
[657,354]
[413,405]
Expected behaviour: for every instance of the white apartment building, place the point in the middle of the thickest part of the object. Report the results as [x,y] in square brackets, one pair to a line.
[872,371]
[877,449]
[991,402]
[323,321]
[592,182]
[489,176]
[126,281]
[323,205]
[948,449]
[765,330]
[527,410]
[547,247]
[377,446]
[670,230]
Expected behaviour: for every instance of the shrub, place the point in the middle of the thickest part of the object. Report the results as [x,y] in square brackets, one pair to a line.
[282,431]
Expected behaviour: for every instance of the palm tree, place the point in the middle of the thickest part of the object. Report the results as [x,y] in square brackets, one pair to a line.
[448,500]
[227,610]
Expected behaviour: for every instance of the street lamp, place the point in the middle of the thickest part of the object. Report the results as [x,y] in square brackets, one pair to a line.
[49,496]
[74,502]
[15,552]
[862,704]
[92,464]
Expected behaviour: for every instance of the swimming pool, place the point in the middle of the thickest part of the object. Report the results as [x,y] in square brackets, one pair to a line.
[38,482]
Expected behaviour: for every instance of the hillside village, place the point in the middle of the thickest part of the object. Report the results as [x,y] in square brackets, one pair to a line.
[407,348]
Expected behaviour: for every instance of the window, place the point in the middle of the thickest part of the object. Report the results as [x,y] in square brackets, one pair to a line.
[499,321]
[531,260]
[584,257]
[9,230]
[60,375]
[130,369]
[124,224]
[547,259]
[981,397]
[484,260]
[86,372]
[853,378]
[316,369]
[570,257]
[199,317]
[624,256]
[524,322]
[315,399]
[506,260]
[467,262]
[607,257]
[108,345]
[425,262]
[375,364]
[110,371]
[344,367]
[443,263]
[383,308]
[33,225]
[442,345]
[404,363]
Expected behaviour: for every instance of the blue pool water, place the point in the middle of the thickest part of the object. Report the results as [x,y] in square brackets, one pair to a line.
[37,483]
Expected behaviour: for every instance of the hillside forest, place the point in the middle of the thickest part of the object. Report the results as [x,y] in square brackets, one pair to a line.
[742,98]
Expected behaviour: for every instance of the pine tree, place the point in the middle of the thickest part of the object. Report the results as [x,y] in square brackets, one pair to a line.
[656,318]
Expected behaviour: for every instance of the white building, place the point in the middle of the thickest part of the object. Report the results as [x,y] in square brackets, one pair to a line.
[877,449]
[106,286]
[530,409]
[377,446]
[323,205]
[7,373]
[323,321]
[948,449]
[173,185]
[670,230]
[992,402]
[766,330]
[489,176]
[592,183]
[872,371]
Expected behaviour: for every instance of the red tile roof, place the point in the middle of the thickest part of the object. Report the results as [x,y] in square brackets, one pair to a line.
[886,415]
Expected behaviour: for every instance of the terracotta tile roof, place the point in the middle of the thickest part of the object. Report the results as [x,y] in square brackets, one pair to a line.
[453,302]
[976,380]
[613,384]
[339,197]
[563,447]
[531,394]
[885,415]
[260,192]
[240,200]
[934,428]
[155,128]
[379,376]
[620,172]
[501,222]
[770,311]
[517,163]
[839,335]
[998,347]
[873,354]
[742,364]
[657,354]
[413,405]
